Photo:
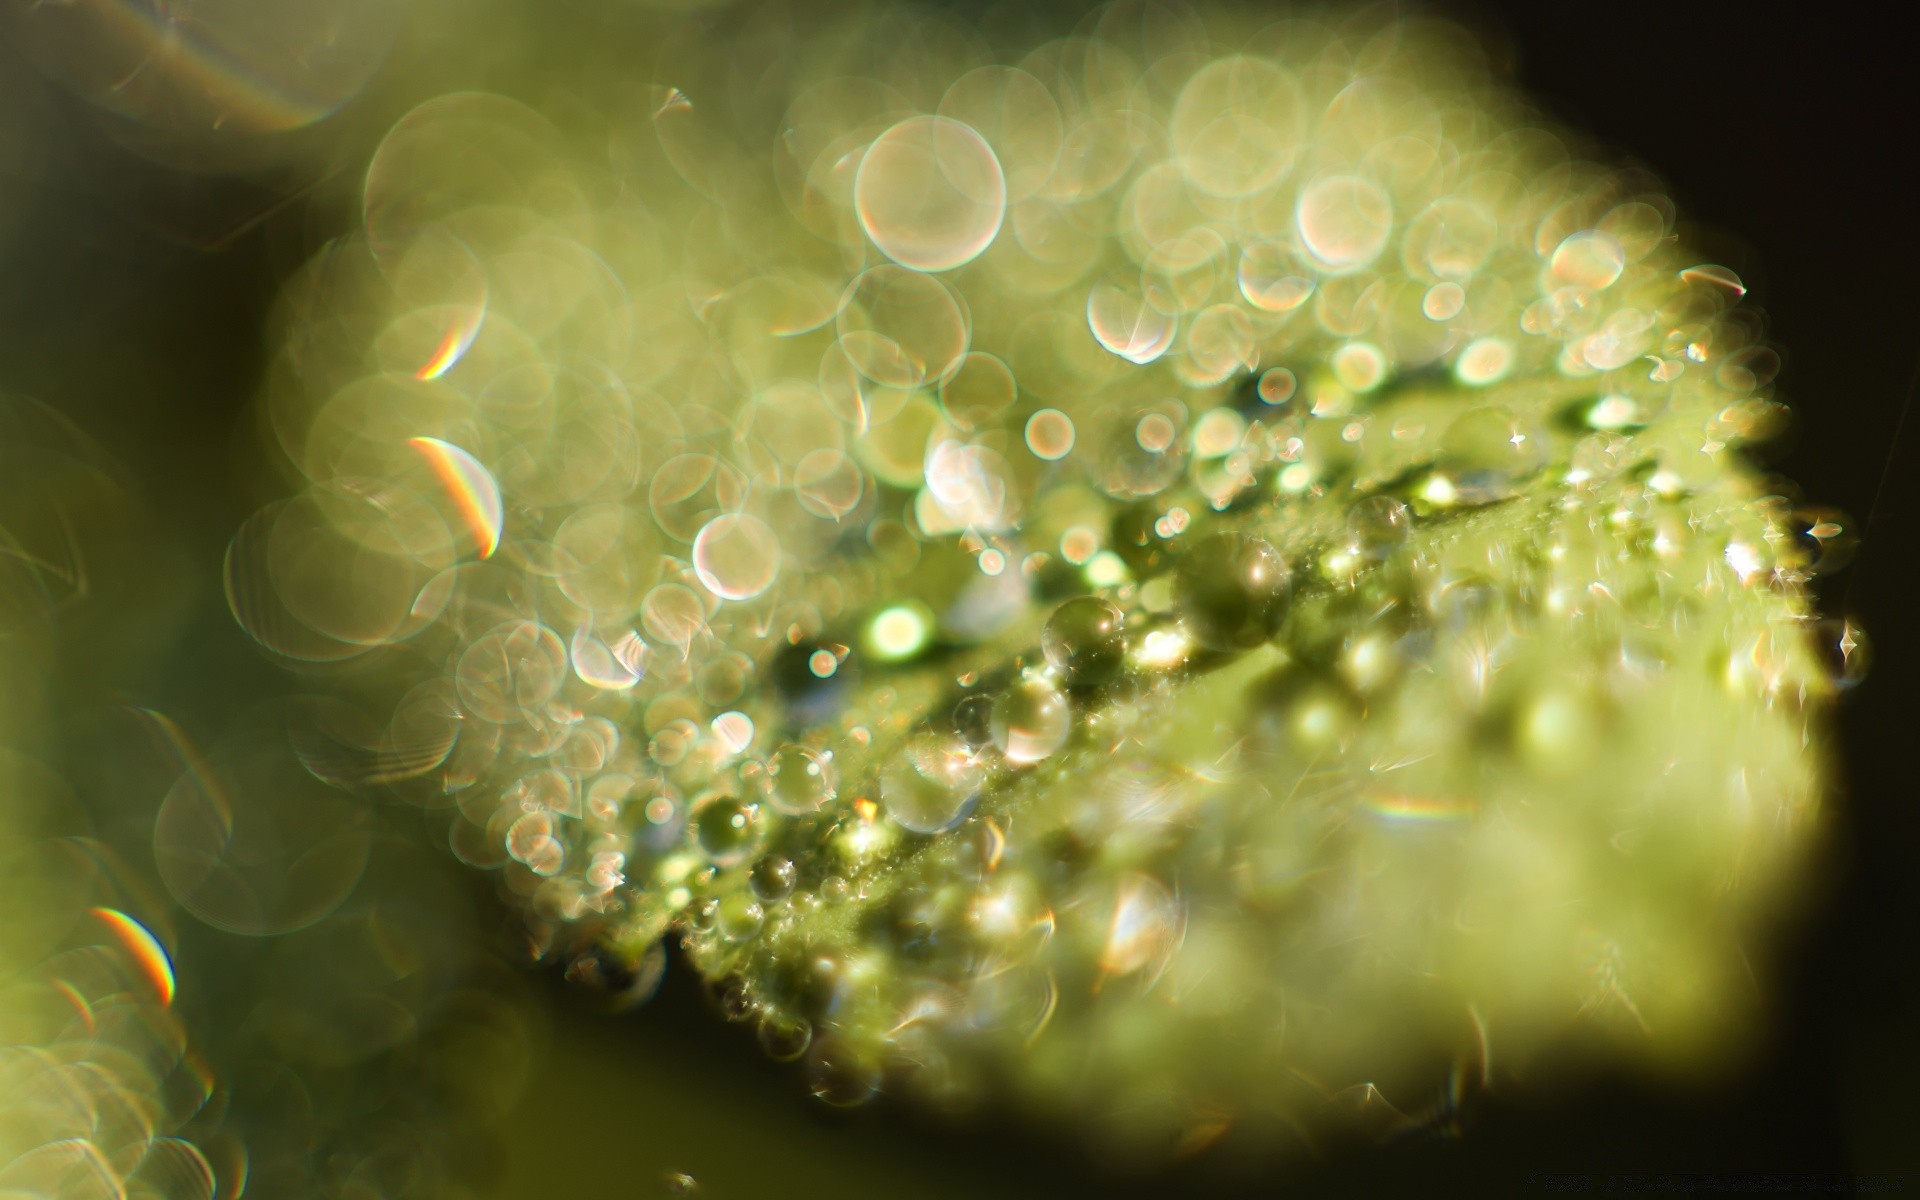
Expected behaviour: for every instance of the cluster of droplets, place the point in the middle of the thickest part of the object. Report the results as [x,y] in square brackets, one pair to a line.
[1103,568]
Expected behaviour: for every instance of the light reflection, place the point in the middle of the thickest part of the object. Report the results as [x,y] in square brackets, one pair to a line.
[471,488]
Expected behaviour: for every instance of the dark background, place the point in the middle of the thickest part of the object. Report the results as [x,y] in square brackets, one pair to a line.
[133,299]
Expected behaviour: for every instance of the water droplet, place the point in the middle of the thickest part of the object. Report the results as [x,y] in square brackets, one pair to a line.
[1232,591]
[973,720]
[727,827]
[784,1038]
[930,193]
[1031,719]
[739,917]
[773,877]
[618,981]
[799,780]
[1085,640]
[1377,526]
[1484,451]
[931,783]
[840,1075]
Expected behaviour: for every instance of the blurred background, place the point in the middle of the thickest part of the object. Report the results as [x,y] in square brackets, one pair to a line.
[142,247]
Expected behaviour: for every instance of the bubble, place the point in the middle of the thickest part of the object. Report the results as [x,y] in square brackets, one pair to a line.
[1269,279]
[798,780]
[969,484]
[1486,450]
[902,329]
[784,1038]
[1126,322]
[250,842]
[1378,526]
[1450,240]
[930,193]
[511,670]
[1085,640]
[605,558]
[426,176]
[1220,344]
[736,556]
[839,1075]
[1483,361]
[1590,260]
[202,88]
[1443,301]
[931,783]
[1017,116]
[1343,221]
[1238,125]
[1231,589]
[690,490]
[733,730]
[828,484]
[980,389]
[773,878]
[1050,434]
[740,917]
[1031,719]
[673,614]
[1359,366]
[973,720]
[727,828]
[1277,386]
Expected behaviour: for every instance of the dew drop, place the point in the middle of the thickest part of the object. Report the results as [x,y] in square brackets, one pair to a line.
[931,783]
[1378,526]
[1031,719]
[839,1075]
[799,780]
[1085,640]
[1232,590]
[727,828]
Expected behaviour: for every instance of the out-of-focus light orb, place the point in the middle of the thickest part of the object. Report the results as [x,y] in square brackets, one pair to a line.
[1050,434]
[736,556]
[1344,221]
[930,193]
[899,632]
